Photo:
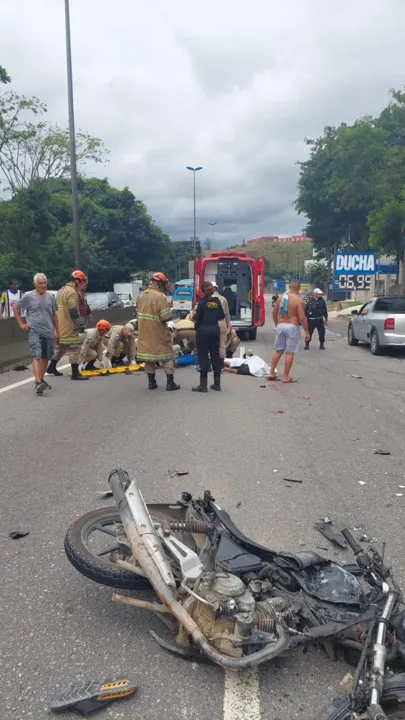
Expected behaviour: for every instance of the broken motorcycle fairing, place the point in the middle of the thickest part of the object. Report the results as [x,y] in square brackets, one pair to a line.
[234,601]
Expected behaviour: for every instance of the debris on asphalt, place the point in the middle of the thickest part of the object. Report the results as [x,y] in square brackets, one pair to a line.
[17,534]
[177,473]
[293,480]
[319,547]
[381,452]
[364,538]
[105,493]
[347,683]
[357,377]
[239,503]
[280,412]
[85,697]
[401,486]
[399,494]
[20,368]
[331,532]
[362,482]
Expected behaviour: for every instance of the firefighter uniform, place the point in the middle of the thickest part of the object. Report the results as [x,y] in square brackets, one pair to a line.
[155,341]
[92,347]
[117,345]
[71,328]
[232,342]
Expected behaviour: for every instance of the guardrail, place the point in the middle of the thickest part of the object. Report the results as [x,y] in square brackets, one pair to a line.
[14,341]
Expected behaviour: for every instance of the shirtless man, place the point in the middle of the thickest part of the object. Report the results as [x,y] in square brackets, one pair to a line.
[288,315]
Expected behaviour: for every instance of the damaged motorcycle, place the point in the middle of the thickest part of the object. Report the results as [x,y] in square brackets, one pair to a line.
[231,601]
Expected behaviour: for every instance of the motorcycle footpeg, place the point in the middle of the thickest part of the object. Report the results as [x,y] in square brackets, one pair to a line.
[84,697]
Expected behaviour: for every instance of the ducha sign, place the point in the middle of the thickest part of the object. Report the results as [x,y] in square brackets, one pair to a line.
[355,264]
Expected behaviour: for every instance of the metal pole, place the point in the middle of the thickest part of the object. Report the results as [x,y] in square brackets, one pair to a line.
[72,141]
[195,223]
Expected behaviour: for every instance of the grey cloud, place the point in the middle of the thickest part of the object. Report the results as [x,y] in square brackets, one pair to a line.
[230,85]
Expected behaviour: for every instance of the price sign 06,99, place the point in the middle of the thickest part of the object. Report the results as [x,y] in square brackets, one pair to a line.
[353,282]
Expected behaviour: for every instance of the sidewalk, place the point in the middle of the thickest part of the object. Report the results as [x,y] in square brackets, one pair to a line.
[345,312]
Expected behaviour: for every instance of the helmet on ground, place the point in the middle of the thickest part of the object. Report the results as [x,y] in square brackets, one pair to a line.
[79,275]
[103,326]
[159,277]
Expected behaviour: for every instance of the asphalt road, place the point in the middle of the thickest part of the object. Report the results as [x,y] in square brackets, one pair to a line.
[57,451]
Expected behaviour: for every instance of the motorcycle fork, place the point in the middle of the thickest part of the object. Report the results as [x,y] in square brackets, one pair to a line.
[374,710]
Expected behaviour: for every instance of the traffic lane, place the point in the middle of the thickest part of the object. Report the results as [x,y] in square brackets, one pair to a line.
[231,443]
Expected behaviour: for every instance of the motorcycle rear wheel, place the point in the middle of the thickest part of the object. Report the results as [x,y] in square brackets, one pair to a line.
[392,702]
[89,563]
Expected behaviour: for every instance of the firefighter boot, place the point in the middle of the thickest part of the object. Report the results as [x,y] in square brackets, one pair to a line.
[202,387]
[170,384]
[152,381]
[75,373]
[52,370]
[322,346]
[90,365]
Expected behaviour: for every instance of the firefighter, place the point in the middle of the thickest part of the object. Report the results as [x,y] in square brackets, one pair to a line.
[155,340]
[184,335]
[71,325]
[232,342]
[120,341]
[317,314]
[92,347]
[223,324]
[208,315]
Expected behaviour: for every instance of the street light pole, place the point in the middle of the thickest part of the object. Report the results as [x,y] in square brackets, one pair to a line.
[212,224]
[194,170]
[72,140]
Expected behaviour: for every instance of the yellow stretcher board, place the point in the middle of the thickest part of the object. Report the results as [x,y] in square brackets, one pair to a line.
[124,370]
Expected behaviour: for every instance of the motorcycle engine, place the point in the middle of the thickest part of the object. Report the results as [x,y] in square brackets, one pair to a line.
[228,612]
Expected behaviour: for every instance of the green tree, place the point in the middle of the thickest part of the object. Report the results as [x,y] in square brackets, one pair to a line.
[32,149]
[318,273]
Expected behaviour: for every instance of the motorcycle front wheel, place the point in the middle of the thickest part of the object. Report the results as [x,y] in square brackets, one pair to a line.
[392,702]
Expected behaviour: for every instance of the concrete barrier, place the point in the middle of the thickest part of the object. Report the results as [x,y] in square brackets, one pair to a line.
[14,341]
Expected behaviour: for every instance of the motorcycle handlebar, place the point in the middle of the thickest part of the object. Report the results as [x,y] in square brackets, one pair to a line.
[357,549]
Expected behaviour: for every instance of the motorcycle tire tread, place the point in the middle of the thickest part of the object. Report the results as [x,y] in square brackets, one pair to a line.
[339,708]
[98,570]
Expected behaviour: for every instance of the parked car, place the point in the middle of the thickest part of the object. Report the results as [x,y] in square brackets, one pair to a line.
[380,323]
[103,301]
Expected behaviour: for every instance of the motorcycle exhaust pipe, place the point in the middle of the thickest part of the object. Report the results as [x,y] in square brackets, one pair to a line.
[147,549]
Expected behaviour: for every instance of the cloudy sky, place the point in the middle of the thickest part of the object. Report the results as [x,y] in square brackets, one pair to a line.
[232,85]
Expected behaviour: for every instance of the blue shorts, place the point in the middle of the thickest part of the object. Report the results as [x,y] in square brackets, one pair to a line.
[288,337]
[41,348]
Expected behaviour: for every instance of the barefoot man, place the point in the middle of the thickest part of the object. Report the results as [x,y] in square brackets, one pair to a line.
[288,316]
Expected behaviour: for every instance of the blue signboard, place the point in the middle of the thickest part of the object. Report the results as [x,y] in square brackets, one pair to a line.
[353,271]
[387,269]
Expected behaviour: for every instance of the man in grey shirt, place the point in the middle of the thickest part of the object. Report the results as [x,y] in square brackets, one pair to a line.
[42,326]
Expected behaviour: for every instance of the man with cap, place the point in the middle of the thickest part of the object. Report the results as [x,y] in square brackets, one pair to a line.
[317,314]
[223,324]
[155,339]
[120,341]
[92,347]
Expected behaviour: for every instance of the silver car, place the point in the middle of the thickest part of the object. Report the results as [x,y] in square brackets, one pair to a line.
[380,323]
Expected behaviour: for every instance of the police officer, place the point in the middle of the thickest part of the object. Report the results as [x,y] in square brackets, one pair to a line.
[207,317]
[92,348]
[224,324]
[317,314]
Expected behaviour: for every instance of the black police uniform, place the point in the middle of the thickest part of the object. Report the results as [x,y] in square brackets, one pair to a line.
[317,312]
[209,313]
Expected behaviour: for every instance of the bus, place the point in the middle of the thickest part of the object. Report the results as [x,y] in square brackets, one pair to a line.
[240,280]
[183,297]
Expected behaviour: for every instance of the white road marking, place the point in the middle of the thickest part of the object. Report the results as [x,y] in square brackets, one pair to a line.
[242,695]
[330,332]
[25,382]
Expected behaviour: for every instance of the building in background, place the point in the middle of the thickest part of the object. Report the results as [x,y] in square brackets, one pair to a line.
[276,239]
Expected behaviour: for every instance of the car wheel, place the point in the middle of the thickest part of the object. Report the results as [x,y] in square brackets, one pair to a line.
[375,347]
[350,336]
